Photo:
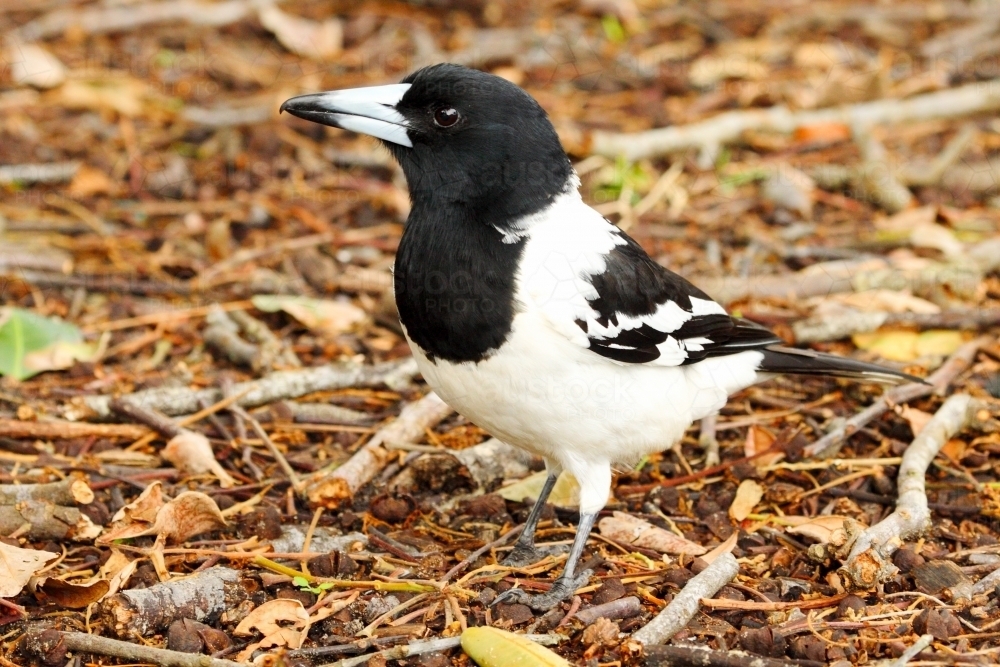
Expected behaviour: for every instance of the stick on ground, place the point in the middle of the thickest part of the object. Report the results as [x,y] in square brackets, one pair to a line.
[50,641]
[870,559]
[676,615]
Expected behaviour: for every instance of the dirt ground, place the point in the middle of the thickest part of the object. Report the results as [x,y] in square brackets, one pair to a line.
[208,410]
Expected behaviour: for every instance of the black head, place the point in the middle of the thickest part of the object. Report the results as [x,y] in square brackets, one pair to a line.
[463,138]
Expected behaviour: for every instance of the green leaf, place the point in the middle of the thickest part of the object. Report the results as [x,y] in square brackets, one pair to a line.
[613,28]
[301,582]
[30,344]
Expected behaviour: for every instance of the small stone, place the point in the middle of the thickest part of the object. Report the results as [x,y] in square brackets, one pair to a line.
[940,623]
[379,605]
[392,508]
[264,522]
[183,636]
[851,603]
[486,596]
[763,642]
[515,613]
[487,506]
[610,590]
[808,647]
[907,558]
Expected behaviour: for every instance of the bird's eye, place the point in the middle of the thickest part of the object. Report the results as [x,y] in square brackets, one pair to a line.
[446,116]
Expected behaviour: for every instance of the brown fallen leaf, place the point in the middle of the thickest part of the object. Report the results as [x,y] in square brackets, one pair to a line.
[304,37]
[825,529]
[321,315]
[18,565]
[630,530]
[283,622]
[189,514]
[748,495]
[71,594]
[917,419]
[192,453]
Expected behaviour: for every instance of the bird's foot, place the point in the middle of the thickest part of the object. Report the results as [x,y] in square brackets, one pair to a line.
[523,555]
[563,589]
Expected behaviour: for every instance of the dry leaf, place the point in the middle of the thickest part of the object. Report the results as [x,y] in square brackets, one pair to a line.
[910,345]
[759,439]
[916,418]
[826,529]
[283,622]
[630,530]
[301,36]
[89,181]
[117,570]
[18,565]
[748,495]
[724,548]
[189,514]
[192,453]
[31,65]
[70,594]
[874,300]
[565,493]
[320,315]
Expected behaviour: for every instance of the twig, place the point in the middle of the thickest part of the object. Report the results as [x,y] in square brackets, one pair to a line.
[70,491]
[274,387]
[909,654]
[271,447]
[330,489]
[475,555]
[870,559]
[52,172]
[684,606]
[702,656]
[841,325]
[427,646]
[64,430]
[830,444]
[727,127]
[621,608]
[132,652]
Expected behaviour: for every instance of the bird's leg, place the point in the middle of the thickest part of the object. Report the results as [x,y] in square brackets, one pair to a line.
[565,586]
[525,552]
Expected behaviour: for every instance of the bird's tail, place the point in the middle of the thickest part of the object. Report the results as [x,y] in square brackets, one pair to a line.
[779,359]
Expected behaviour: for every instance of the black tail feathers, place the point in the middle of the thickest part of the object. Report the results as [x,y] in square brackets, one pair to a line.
[779,359]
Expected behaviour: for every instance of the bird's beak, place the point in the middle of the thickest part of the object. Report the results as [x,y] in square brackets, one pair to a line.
[365,110]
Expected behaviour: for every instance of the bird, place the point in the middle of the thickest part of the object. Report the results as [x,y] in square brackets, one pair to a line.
[534,316]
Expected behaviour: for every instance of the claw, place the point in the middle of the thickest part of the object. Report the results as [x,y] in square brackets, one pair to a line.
[563,589]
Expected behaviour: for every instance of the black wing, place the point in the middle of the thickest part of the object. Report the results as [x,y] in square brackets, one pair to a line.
[644,313]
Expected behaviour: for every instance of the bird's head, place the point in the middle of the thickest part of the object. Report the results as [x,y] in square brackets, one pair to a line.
[462,136]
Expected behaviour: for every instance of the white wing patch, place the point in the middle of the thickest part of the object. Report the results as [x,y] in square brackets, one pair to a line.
[567,244]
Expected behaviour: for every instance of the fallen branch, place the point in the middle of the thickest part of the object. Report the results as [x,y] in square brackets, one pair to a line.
[702,656]
[274,387]
[626,607]
[55,642]
[331,489]
[932,281]
[51,172]
[202,597]
[70,491]
[42,520]
[684,606]
[870,559]
[64,430]
[842,325]
[830,444]
[710,134]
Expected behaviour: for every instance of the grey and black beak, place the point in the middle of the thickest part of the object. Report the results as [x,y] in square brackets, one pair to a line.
[365,110]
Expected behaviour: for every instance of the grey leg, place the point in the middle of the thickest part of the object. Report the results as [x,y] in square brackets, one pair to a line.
[565,586]
[525,552]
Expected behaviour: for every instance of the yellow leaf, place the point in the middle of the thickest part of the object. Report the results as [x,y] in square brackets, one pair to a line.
[748,495]
[566,492]
[939,342]
[492,647]
[894,345]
